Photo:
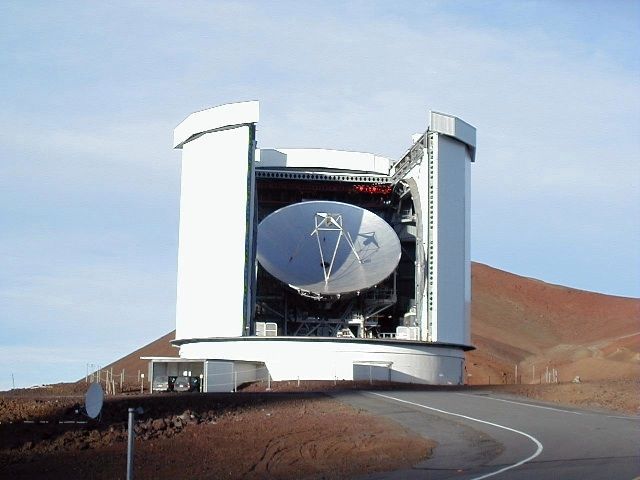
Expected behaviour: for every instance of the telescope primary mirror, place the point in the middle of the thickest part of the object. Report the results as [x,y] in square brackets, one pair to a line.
[327,248]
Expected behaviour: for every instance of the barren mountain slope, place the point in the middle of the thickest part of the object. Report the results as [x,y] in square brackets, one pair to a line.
[132,364]
[519,320]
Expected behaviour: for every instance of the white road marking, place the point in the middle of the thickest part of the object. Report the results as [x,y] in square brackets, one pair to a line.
[620,416]
[519,403]
[490,474]
[630,417]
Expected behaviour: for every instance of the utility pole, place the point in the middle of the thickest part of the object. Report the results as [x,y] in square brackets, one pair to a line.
[130,439]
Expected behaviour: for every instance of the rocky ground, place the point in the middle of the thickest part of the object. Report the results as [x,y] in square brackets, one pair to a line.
[620,395]
[280,435]
[292,431]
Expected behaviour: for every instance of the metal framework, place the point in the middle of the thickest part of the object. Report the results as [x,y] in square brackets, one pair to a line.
[331,222]
[321,176]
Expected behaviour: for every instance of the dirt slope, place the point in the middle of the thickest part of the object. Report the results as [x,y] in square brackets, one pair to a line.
[183,436]
[523,321]
[132,364]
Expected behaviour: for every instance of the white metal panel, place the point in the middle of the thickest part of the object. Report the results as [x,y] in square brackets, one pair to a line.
[370,371]
[222,116]
[456,128]
[219,376]
[214,204]
[453,268]
[226,376]
[266,329]
[305,359]
[467,249]
[323,158]
[245,372]
[402,333]
[269,157]
[408,333]
[271,329]
[414,333]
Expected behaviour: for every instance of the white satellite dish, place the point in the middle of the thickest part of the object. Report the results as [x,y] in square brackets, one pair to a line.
[327,248]
[93,400]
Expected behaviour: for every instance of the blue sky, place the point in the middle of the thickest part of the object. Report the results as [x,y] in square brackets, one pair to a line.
[91,91]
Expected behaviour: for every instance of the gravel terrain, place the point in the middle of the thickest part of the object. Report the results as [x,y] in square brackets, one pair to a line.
[280,435]
[292,431]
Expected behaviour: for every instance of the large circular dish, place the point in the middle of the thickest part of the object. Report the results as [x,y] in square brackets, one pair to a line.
[327,248]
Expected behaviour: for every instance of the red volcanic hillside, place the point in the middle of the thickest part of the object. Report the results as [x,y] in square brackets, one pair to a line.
[523,321]
[132,364]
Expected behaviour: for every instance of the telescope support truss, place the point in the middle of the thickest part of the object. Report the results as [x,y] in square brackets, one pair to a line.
[331,222]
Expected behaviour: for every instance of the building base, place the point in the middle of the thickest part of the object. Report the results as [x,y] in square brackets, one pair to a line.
[317,358]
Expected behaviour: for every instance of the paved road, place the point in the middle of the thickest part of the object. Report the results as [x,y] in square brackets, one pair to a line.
[485,435]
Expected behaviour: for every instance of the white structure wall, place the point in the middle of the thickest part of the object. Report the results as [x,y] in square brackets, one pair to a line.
[308,358]
[451,262]
[216,237]
[444,190]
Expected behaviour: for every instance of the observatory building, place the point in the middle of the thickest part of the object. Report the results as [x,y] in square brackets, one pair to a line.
[316,264]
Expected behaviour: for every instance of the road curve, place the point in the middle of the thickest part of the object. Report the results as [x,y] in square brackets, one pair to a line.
[483,435]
